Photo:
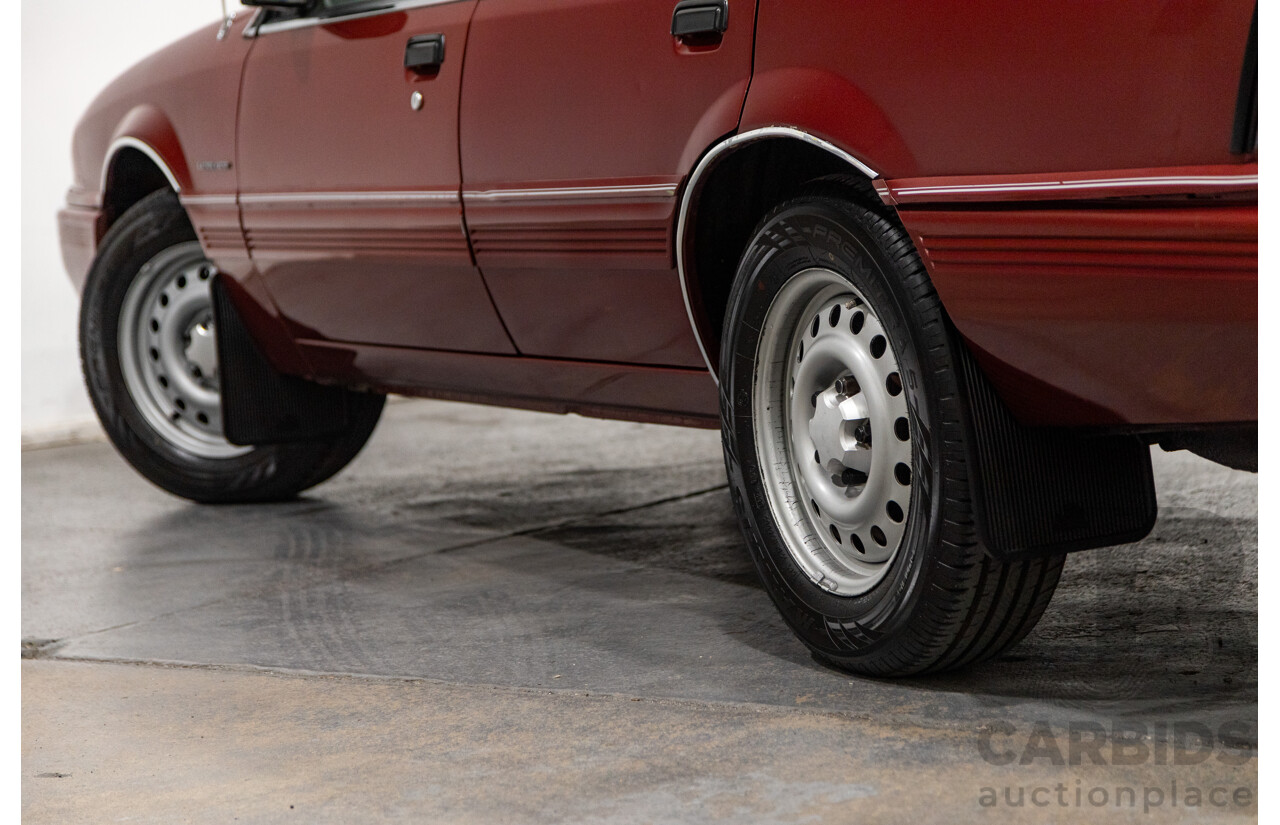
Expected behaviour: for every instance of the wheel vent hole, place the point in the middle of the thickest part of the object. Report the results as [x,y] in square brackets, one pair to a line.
[800,354]
[204,273]
[878,535]
[893,384]
[903,473]
[834,317]
[813,330]
[835,534]
[815,457]
[155,325]
[164,382]
[164,300]
[814,505]
[857,543]
[902,429]
[894,510]
[182,282]
[155,354]
[878,346]
[856,322]
[180,404]
[202,418]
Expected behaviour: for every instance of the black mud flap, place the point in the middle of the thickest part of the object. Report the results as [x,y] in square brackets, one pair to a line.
[1040,491]
[259,404]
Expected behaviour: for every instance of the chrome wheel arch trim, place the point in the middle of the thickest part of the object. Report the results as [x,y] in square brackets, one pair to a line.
[143,147]
[694,186]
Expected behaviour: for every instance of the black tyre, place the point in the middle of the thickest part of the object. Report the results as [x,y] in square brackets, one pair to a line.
[149,356]
[845,447]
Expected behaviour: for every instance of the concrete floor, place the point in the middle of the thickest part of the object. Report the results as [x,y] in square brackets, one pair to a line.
[497,616]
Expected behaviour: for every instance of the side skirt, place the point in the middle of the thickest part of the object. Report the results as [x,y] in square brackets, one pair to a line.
[659,395]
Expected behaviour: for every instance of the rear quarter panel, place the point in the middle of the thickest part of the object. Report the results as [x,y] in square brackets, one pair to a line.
[1130,305]
[1003,86]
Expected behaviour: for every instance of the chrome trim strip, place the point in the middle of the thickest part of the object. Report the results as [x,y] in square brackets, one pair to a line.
[694,187]
[208,200]
[449,196]
[255,28]
[134,143]
[1192,181]
[657,190]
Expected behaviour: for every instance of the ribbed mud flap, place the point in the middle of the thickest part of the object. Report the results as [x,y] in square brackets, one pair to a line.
[1039,491]
[259,405]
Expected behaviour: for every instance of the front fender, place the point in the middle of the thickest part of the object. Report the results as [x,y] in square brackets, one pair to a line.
[146,128]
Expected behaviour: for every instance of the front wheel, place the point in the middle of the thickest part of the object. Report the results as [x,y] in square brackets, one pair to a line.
[845,446]
[148,348]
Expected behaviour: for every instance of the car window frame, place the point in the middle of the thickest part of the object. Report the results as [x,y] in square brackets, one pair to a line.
[263,23]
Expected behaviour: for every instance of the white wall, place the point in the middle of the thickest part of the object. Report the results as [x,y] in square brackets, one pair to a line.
[70,50]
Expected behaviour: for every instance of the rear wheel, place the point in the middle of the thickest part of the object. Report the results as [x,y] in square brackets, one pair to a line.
[845,445]
[148,348]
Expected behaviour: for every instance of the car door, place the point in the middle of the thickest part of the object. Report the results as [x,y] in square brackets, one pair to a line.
[349,175]
[579,120]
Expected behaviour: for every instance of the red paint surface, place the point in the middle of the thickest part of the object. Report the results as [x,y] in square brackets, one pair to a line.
[589,278]
[1096,305]
[1005,86]
[181,101]
[594,93]
[325,109]
[1121,315]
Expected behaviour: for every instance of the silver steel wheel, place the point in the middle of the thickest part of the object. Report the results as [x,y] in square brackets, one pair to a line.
[168,351]
[833,432]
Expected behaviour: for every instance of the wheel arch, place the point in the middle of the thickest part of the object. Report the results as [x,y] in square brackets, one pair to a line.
[144,156]
[726,195]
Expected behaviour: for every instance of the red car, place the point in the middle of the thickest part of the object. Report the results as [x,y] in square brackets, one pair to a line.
[941,273]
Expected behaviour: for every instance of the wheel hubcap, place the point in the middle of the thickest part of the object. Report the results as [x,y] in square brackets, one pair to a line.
[169,351]
[833,432]
[841,432]
[201,352]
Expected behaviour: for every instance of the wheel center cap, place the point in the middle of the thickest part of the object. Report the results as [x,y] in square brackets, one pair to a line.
[841,431]
[202,350]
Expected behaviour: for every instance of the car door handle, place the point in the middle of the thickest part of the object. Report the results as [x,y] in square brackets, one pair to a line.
[425,53]
[700,18]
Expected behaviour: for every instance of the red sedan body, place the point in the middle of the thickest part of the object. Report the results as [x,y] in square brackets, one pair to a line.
[541,218]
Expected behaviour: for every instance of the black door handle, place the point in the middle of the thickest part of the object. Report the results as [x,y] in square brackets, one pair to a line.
[700,18]
[425,53]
